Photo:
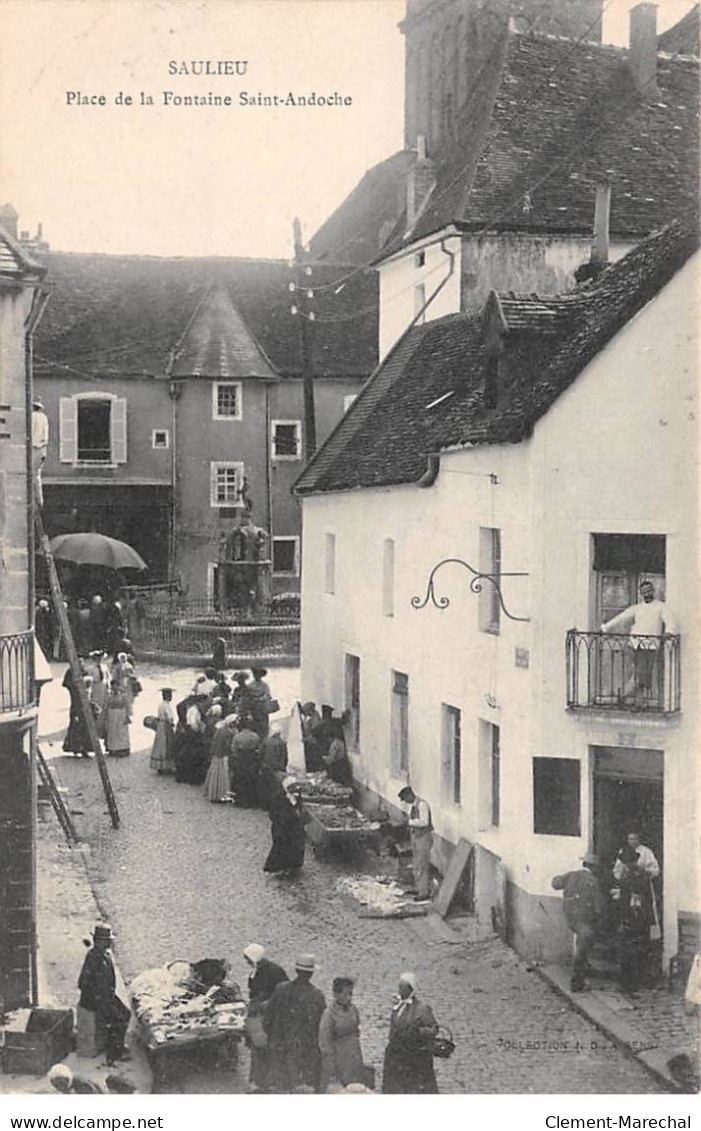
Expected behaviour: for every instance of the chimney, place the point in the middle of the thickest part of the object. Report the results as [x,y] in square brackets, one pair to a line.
[8,219]
[420,182]
[602,212]
[642,48]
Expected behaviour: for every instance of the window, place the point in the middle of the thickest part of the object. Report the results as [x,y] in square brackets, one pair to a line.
[286,556]
[352,699]
[226,400]
[420,301]
[348,401]
[491,381]
[489,775]
[226,482]
[287,439]
[489,608]
[419,259]
[451,754]
[388,577]
[160,438]
[556,785]
[399,725]
[330,563]
[93,429]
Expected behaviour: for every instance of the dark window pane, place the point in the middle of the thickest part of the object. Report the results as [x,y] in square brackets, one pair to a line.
[630,553]
[284,555]
[556,806]
[285,440]
[94,438]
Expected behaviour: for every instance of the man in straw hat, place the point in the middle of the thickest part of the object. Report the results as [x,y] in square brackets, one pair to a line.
[97,985]
[583,905]
[291,1021]
[40,445]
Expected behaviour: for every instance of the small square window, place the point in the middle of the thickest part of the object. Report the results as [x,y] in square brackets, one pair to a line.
[420,259]
[287,439]
[226,400]
[160,438]
[286,556]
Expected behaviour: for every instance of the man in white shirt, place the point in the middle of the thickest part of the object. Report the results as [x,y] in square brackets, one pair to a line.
[646,862]
[421,833]
[647,622]
[40,444]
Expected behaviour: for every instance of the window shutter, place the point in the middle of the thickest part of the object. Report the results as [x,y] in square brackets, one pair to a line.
[213,484]
[118,429]
[68,430]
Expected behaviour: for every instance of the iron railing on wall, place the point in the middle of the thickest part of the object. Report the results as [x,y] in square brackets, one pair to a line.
[623,672]
[192,627]
[16,686]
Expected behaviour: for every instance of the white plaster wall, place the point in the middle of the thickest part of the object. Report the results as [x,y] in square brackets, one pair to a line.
[399,277]
[616,453]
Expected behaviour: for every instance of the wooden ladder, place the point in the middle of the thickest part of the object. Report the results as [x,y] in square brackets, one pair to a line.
[47,780]
[83,701]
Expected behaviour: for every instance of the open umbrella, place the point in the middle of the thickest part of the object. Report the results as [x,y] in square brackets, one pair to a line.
[96,549]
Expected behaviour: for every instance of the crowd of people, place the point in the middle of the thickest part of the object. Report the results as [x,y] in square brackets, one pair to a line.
[618,903]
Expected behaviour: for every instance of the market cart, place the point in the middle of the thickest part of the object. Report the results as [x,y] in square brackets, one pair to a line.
[339,827]
[188,1012]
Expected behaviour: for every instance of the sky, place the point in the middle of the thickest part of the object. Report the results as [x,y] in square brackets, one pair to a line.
[159,179]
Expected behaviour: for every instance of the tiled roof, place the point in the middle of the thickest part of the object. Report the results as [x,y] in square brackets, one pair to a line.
[684,36]
[125,315]
[218,343]
[547,120]
[354,232]
[428,394]
[15,263]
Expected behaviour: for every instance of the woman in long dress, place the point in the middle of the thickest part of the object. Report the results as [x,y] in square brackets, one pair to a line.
[191,761]
[408,1063]
[117,739]
[339,1038]
[76,740]
[216,784]
[162,751]
[100,690]
[287,829]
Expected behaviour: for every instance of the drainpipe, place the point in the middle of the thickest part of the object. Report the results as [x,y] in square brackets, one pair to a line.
[433,460]
[433,466]
[174,392]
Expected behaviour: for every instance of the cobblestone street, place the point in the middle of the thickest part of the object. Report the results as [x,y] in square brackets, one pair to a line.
[183,878]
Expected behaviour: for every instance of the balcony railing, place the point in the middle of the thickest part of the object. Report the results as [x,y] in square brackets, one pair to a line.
[623,672]
[16,656]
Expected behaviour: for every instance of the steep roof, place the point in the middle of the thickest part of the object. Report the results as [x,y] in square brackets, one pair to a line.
[545,121]
[15,264]
[354,232]
[684,36]
[125,315]
[218,343]
[428,395]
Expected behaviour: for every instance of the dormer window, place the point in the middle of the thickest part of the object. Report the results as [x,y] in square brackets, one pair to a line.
[491,381]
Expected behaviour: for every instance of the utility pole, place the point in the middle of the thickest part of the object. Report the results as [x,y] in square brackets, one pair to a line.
[303,295]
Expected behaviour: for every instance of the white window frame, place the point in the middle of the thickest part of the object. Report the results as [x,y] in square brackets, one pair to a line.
[160,447]
[96,395]
[491,552]
[297,424]
[452,773]
[216,415]
[399,726]
[388,575]
[294,572]
[214,467]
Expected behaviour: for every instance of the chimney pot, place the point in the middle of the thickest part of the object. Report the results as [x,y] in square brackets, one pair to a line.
[642,46]
[8,219]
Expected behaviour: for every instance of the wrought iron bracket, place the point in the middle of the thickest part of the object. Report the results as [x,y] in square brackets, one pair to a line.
[475,586]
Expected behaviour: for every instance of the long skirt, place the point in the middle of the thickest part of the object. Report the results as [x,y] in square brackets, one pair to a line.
[287,852]
[191,758]
[76,740]
[216,784]
[161,759]
[408,1071]
[118,744]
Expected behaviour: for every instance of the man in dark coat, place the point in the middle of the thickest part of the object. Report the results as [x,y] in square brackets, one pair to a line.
[291,1021]
[583,905]
[97,985]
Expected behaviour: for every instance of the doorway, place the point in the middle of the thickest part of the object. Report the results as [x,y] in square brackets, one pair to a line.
[628,795]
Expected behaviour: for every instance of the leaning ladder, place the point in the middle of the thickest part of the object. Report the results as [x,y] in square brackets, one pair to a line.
[83,701]
[47,780]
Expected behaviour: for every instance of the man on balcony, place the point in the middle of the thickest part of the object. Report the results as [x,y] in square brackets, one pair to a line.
[647,623]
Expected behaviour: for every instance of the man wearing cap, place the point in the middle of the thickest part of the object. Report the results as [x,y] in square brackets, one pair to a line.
[421,833]
[97,984]
[40,444]
[583,905]
[291,1021]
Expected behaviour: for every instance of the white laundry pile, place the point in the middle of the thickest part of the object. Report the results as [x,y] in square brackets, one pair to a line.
[376,892]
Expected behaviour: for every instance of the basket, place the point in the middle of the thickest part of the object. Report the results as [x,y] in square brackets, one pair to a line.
[48,1038]
[443,1043]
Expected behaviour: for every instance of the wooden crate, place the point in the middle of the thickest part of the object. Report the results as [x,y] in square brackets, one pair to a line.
[47,1039]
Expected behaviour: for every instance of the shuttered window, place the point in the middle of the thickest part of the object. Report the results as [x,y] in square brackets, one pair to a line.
[118,428]
[93,429]
[68,430]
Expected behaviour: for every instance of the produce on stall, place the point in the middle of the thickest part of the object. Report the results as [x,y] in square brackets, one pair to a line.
[343,826]
[320,789]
